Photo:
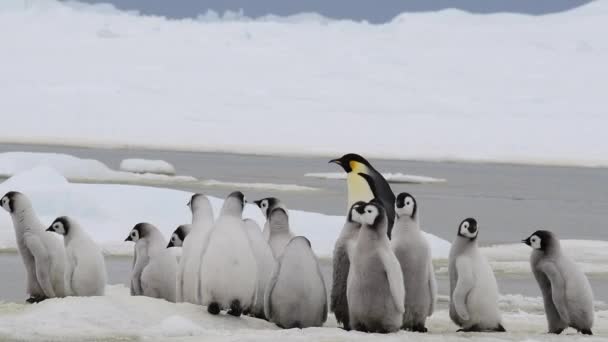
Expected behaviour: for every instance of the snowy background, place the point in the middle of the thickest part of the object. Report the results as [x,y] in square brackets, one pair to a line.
[446,85]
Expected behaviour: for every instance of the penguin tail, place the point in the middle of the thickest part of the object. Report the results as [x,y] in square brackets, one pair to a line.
[586,332]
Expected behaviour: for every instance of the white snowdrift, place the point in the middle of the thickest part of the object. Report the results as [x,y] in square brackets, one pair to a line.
[136,165]
[118,316]
[78,169]
[443,85]
[109,211]
[135,171]
[396,178]
[258,186]
[591,256]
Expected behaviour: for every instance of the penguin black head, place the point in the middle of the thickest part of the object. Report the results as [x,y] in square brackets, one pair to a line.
[194,201]
[138,232]
[12,200]
[542,240]
[468,229]
[351,161]
[300,238]
[178,236]
[61,226]
[278,215]
[372,214]
[267,204]
[353,215]
[406,205]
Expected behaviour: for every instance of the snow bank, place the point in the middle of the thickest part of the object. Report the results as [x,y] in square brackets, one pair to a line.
[109,211]
[135,171]
[78,169]
[441,85]
[147,166]
[119,316]
[396,178]
[258,186]
[591,256]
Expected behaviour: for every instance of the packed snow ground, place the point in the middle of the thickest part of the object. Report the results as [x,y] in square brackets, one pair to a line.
[147,166]
[118,316]
[446,85]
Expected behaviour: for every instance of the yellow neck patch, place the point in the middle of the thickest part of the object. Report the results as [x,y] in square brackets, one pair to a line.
[358,189]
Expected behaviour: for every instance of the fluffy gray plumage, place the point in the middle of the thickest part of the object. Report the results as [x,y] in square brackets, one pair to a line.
[341,265]
[414,254]
[375,291]
[473,288]
[566,291]
[296,296]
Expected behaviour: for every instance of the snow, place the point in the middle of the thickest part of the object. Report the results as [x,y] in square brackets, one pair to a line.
[108,212]
[147,166]
[444,85]
[395,178]
[78,169]
[258,186]
[119,316]
[591,256]
[135,171]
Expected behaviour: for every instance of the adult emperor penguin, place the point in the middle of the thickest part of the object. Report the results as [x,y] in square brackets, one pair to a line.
[473,288]
[179,235]
[296,296]
[375,290]
[280,233]
[266,205]
[229,264]
[154,272]
[42,252]
[341,265]
[365,183]
[414,254]
[85,273]
[189,271]
[566,291]
[265,261]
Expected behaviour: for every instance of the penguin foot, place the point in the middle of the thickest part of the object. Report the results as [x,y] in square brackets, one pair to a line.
[586,332]
[420,328]
[35,299]
[235,308]
[473,328]
[360,327]
[499,328]
[213,308]
[556,331]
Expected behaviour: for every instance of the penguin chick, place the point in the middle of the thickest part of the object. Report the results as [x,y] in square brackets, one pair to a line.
[473,288]
[154,272]
[375,290]
[341,265]
[296,296]
[566,291]
[42,252]
[85,273]
[414,255]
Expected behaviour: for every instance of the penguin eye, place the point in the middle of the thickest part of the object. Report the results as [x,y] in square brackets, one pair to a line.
[133,234]
[465,225]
